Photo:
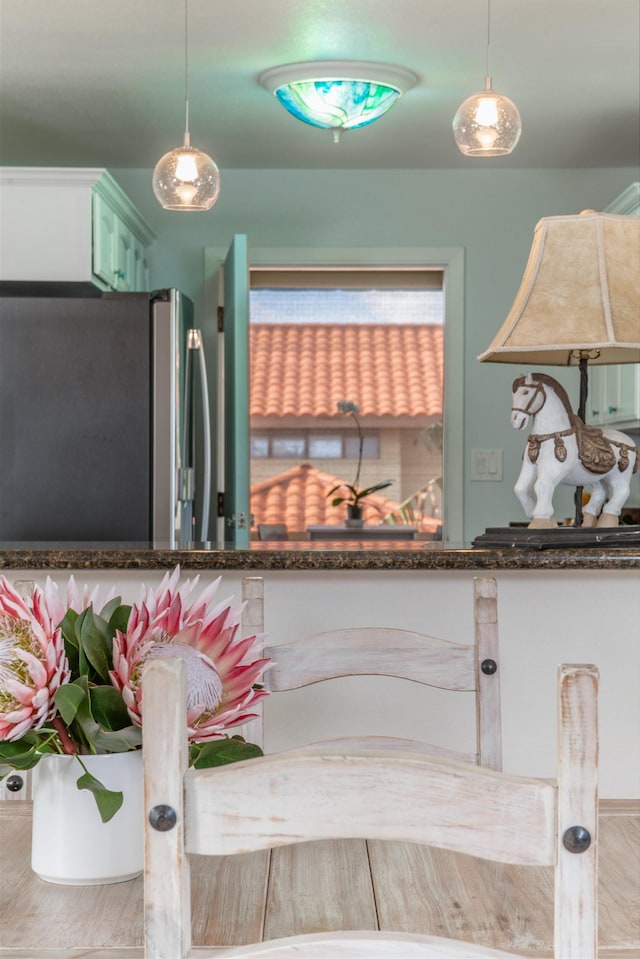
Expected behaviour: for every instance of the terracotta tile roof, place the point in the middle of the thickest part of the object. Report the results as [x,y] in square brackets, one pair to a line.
[305,369]
[298,498]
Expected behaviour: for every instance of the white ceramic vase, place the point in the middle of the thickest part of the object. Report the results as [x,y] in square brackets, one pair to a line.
[70,843]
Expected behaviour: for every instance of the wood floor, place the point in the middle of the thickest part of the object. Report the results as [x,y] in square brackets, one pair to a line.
[327,885]
[321,886]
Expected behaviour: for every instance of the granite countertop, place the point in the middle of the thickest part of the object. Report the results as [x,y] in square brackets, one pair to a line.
[304,555]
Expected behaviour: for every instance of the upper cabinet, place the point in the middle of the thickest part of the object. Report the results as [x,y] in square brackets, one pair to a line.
[71,225]
[614,391]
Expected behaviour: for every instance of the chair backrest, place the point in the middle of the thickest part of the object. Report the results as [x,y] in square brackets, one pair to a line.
[302,795]
[381,651]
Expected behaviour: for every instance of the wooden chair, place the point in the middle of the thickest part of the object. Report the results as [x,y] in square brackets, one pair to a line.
[304,795]
[380,651]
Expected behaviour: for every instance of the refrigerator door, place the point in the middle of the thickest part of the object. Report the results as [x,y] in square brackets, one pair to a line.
[75,407]
[181,430]
[168,332]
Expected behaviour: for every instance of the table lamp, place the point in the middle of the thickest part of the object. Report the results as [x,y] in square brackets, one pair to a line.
[579,300]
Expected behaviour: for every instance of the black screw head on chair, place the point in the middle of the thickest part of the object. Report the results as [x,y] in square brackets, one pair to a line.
[163,818]
[15,783]
[576,839]
[489,667]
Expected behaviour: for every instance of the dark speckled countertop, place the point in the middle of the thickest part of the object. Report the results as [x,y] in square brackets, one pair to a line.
[303,555]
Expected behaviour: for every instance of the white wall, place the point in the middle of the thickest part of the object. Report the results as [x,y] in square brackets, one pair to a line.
[545,618]
[491,213]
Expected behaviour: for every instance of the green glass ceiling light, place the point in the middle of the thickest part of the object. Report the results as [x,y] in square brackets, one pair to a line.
[337,95]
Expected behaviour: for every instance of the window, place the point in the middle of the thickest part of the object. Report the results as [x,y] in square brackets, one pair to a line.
[372,337]
[312,445]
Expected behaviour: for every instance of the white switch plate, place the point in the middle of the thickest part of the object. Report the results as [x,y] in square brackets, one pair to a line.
[486,466]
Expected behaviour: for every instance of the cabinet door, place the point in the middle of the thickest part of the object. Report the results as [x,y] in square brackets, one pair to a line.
[614,395]
[140,268]
[622,395]
[124,264]
[103,232]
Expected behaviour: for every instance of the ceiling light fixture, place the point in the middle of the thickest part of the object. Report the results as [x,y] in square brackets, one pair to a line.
[487,124]
[337,94]
[186,178]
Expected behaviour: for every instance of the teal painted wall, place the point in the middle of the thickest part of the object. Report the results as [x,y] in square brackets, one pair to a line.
[491,213]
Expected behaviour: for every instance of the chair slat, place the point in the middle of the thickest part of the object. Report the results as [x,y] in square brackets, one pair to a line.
[374,651]
[449,805]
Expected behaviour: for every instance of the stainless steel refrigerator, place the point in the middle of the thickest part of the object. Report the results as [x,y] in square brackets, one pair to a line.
[104,418]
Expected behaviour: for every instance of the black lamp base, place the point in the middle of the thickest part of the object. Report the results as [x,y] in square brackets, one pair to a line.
[562,537]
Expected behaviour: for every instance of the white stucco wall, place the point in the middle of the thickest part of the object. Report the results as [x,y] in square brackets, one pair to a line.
[545,618]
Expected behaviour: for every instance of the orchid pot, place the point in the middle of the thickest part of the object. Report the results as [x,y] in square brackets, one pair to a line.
[355,517]
[351,493]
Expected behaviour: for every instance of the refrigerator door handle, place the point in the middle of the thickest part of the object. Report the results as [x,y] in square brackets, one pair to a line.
[194,342]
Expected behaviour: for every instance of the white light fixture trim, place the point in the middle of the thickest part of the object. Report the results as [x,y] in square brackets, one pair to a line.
[337,94]
[186,179]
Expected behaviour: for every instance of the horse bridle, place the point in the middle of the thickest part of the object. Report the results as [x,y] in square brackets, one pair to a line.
[537,388]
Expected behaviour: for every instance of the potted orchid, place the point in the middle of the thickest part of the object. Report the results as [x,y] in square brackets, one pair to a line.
[354,494]
[70,676]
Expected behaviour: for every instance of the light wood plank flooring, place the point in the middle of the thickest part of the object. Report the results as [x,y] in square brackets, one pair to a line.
[321,886]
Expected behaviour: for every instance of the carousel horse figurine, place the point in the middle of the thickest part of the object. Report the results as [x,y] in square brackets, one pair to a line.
[563,450]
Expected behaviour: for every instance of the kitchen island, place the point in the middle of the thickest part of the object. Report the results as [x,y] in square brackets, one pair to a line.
[314,555]
[554,605]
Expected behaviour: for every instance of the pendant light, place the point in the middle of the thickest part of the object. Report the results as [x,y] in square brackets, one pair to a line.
[186,178]
[487,124]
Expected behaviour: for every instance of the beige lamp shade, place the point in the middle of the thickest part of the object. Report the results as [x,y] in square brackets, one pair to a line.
[580,295]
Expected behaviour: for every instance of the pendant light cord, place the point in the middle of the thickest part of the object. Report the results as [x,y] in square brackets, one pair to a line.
[487,78]
[187,138]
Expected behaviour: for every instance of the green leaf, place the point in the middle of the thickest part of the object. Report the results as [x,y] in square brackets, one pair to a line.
[68,699]
[107,707]
[220,752]
[71,641]
[17,755]
[95,643]
[85,727]
[120,618]
[107,800]
[109,609]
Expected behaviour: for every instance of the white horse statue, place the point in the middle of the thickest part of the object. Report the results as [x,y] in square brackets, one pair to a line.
[562,450]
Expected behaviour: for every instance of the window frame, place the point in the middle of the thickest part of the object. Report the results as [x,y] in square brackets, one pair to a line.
[451,260]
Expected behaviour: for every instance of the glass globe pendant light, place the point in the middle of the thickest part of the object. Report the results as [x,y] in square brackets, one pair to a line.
[487,124]
[186,178]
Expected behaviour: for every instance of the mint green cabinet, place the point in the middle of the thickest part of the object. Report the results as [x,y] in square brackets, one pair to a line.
[71,225]
[614,391]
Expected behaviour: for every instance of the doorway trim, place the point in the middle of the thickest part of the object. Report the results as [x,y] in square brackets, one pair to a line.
[451,261]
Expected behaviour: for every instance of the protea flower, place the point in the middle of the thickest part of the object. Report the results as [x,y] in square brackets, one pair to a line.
[221,669]
[33,664]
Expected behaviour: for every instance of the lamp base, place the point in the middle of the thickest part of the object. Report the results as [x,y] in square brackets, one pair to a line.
[563,537]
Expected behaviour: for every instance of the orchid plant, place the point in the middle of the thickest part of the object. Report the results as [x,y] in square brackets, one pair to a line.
[354,493]
[70,677]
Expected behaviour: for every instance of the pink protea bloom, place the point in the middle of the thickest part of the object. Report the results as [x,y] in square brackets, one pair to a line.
[221,669]
[33,664]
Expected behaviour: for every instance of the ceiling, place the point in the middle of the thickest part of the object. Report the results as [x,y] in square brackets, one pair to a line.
[88,83]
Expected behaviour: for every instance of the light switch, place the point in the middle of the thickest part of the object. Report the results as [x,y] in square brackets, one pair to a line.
[486,465]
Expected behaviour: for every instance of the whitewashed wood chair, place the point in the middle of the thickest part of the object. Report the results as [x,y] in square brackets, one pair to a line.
[400,653]
[304,795]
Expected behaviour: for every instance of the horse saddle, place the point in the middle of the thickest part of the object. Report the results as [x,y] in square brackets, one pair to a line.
[594,449]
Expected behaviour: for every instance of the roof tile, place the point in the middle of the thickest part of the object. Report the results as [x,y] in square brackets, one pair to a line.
[298,498]
[305,369]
